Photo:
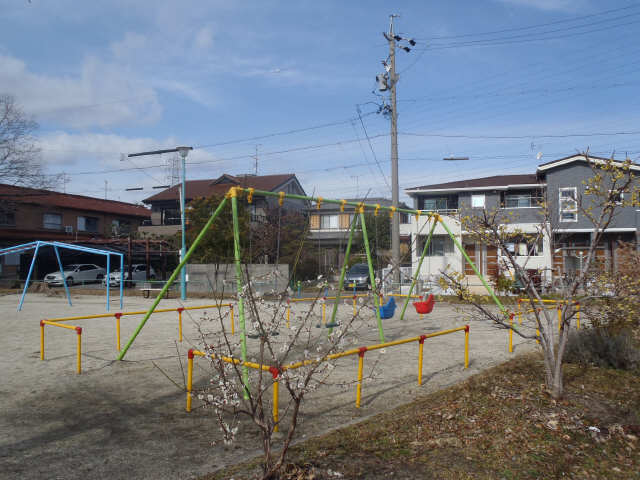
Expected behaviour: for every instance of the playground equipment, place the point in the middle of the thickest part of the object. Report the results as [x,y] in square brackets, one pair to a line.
[426,306]
[56,322]
[56,246]
[235,192]
[388,309]
[276,372]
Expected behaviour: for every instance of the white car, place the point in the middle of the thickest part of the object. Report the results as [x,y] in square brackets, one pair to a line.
[138,273]
[76,273]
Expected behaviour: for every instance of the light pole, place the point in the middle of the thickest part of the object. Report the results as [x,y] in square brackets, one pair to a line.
[183,151]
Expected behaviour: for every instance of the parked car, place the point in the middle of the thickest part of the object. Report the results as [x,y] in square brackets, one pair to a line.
[357,276]
[76,273]
[138,274]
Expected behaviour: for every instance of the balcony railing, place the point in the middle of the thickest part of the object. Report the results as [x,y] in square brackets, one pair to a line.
[442,211]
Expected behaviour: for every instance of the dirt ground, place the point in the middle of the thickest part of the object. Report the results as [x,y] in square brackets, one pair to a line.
[127,420]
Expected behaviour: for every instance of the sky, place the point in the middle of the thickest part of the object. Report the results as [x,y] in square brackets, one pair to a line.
[508,83]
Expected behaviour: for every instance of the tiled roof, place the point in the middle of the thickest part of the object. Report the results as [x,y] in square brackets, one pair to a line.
[66,200]
[220,186]
[495,181]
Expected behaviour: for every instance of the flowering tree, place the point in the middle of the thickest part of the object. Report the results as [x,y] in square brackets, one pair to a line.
[295,358]
[611,186]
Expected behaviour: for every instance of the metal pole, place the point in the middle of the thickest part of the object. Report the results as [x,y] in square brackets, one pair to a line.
[173,277]
[372,275]
[108,270]
[183,249]
[121,277]
[26,284]
[64,280]
[417,272]
[342,273]
[395,220]
[236,251]
[473,266]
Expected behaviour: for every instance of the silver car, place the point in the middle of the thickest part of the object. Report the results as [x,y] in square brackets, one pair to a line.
[357,277]
[76,273]
[138,273]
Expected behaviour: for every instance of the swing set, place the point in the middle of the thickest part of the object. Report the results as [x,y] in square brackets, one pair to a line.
[382,311]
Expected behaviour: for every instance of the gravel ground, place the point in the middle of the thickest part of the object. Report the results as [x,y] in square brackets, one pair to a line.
[127,420]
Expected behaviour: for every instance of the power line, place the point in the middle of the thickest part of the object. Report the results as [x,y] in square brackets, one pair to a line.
[520,137]
[505,30]
[505,41]
[287,132]
[375,157]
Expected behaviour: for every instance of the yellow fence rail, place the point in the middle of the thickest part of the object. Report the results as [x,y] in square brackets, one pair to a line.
[555,305]
[276,372]
[56,323]
[78,330]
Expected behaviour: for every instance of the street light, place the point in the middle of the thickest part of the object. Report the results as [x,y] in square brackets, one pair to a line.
[183,151]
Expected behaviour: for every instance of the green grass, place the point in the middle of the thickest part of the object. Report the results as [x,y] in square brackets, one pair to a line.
[498,424]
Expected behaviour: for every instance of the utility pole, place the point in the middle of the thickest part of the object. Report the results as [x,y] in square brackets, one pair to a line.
[255,158]
[389,81]
[395,194]
[106,186]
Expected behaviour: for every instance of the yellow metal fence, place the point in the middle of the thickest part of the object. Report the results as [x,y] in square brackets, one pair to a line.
[276,372]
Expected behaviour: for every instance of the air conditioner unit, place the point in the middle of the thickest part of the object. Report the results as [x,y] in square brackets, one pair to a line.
[68,229]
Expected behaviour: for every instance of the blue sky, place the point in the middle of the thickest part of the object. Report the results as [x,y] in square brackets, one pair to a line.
[105,78]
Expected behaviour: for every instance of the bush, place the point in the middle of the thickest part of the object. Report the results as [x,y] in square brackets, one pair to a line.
[600,347]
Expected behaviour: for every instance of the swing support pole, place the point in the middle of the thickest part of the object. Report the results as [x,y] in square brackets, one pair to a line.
[417,272]
[233,193]
[372,275]
[473,266]
[172,277]
[342,273]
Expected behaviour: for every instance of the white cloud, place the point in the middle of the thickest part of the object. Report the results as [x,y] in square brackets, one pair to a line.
[76,154]
[100,94]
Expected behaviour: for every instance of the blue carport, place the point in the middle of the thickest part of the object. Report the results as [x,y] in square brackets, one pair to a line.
[56,248]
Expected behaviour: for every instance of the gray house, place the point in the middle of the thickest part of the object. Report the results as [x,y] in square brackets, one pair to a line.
[518,198]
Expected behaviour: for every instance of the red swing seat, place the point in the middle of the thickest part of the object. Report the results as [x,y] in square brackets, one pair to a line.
[426,306]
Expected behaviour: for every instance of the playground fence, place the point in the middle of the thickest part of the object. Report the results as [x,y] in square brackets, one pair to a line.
[56,323]
[276,372]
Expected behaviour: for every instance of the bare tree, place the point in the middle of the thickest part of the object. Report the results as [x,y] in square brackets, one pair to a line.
[611,186]
[19,154]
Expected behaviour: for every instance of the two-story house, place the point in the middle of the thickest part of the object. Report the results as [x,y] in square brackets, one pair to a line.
[329,230]
[165,205]
[518,199]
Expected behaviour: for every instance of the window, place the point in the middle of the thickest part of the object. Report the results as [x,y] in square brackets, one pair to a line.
[477,201]
[7,218]
[523,247]
[521,201]
[440,245]
[87,224]
[52,221]
[434,204]
[328,222]
[568,202]
[120,227]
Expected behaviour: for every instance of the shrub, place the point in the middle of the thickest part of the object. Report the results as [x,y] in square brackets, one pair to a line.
[602,348]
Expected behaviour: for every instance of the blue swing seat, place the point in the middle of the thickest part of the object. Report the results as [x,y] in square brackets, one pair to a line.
[387,310]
